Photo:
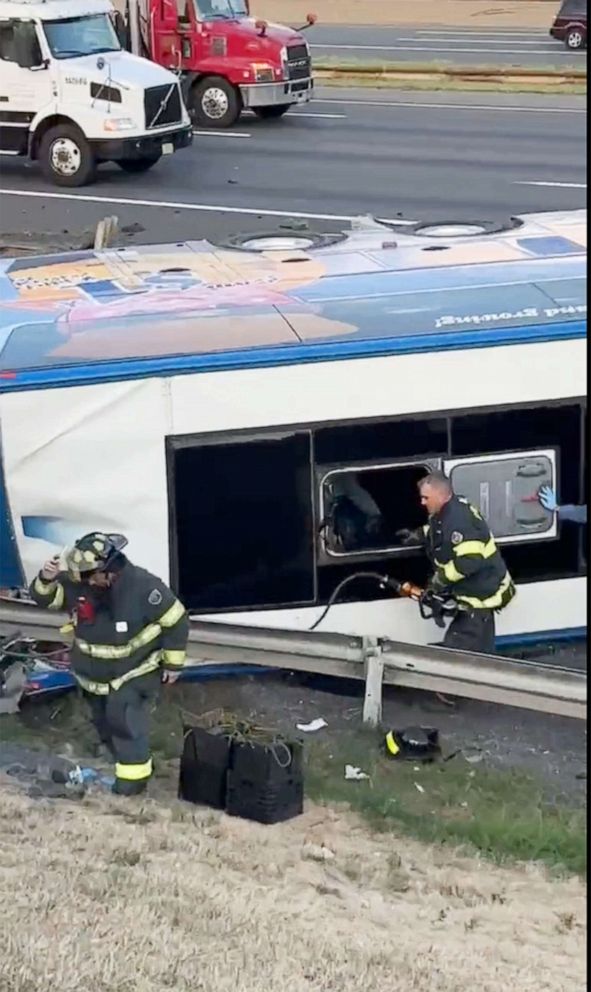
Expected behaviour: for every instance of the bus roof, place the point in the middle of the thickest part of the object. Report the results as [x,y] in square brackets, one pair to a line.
[166,309]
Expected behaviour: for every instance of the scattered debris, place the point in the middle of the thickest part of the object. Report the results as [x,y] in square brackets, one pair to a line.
[354,774]
[419,788]
[12,684]
[317,852]
[309,728]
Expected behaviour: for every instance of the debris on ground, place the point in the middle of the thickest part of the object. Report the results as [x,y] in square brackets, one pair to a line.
[354,774]
[309,728]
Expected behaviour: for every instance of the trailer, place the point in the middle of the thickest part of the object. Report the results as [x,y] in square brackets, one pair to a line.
[213,401]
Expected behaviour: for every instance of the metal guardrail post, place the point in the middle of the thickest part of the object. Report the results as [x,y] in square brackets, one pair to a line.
[374,675]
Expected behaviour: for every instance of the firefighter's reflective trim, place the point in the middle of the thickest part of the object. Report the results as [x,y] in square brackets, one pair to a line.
[44,588]
[115,652]
[104,688]
[175,659]
[485,549]
[391,744]
[58,600]
[96,688]
[172,615]
[134,773]
[502,597]
[449,570]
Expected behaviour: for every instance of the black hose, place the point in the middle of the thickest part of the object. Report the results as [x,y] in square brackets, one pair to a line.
[383,580]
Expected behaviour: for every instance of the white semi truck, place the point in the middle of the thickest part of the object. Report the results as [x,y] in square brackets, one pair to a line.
[71,97]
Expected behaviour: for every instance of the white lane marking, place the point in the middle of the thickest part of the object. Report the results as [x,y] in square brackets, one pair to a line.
[482,33]
[455,51]
[327,117]
[540,182]
[480,41]
[452,106]
[208,208]
[222,134]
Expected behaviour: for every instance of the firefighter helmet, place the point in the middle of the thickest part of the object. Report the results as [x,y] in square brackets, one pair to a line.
[93,553]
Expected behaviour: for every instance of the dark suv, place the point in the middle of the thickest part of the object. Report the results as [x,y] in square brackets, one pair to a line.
[570,24]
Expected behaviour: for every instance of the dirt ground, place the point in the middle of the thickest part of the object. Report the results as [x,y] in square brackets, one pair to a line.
[455,13]
[101,894]
[144,897]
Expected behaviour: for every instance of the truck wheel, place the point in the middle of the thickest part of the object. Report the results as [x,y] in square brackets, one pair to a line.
[267,113]
[66,157]
[575,39]
[214,102]
[137,164]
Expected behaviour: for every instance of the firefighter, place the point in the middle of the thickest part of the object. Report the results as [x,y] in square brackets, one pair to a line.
[130,634]
[468,566]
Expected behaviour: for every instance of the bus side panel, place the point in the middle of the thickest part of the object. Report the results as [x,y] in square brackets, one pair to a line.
[87,458]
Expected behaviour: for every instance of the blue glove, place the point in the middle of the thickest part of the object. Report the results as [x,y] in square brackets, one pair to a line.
[547,498]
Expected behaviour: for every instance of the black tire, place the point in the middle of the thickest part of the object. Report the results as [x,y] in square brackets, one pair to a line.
[575,39]
[214,102]
[137,165]
[269,113]
[78,163]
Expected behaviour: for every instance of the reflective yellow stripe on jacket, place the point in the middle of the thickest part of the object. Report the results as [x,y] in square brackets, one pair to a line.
[104,688]
[452,571]
[45,588]
[174,659]
[116,652]
[172,615]
[501,597]
[484,548]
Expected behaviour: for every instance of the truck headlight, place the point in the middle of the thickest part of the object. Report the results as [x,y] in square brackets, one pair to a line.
[119,124]
[263,73]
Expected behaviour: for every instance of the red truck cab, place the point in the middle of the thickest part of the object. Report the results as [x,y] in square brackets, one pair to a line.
[229,61]
[570,24]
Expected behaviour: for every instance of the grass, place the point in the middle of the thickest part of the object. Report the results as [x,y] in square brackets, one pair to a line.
[354,73]
[335,64]
[442,85]
[503,815]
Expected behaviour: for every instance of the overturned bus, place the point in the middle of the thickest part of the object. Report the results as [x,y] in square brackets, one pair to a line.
[214,402]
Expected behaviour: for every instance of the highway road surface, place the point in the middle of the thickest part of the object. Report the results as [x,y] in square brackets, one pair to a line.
[459,46]
[418,156]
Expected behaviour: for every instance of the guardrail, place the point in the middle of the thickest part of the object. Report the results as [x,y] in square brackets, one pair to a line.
[546,689]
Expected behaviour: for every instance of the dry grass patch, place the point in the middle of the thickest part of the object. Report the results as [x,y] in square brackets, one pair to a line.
[109,895]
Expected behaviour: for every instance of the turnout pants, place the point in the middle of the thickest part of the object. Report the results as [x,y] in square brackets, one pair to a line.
[122,721]
[472,630]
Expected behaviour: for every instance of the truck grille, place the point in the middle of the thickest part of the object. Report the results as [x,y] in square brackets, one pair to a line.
[171,113]
[298,62]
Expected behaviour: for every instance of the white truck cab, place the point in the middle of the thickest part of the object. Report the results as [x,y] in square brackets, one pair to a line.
[72,97]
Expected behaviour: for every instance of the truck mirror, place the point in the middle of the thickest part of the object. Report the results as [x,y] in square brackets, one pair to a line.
[27,52]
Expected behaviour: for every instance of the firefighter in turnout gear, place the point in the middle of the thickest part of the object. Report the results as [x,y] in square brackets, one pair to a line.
[468,566]
[130,634]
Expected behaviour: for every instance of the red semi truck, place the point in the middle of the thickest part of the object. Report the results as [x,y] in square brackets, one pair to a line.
[228,60]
